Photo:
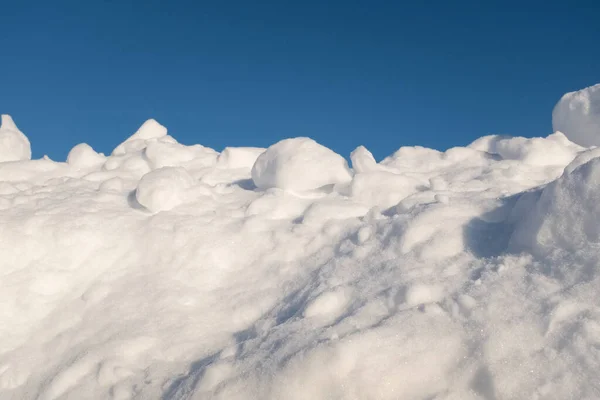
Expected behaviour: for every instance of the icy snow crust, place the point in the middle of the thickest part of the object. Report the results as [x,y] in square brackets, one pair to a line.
[166,271]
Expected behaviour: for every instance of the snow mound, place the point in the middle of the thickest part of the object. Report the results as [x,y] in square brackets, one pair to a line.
[239,157]
[382,189]
[577,115]
[164,189]
[166,271]
[363,160]
[556,149]
[150,130]
[14,145]
[377,185]
[299,164]
[84,156]
[567,215]
[161,154]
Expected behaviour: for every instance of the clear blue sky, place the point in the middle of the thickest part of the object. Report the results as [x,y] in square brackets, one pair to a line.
[240,73]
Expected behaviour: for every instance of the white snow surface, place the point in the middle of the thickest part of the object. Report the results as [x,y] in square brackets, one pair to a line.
[299,164]
[577,114]
[166,271]
[14,145]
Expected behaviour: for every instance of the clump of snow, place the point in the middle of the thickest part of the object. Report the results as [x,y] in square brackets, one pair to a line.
[84,156]
[582,158]
[160,154]
[556,149]
[239,157]
[328,305]
[166,271]
[566,216]
[14,145]
[150,130]
[382,188]
[164,188]
[363,160]
[299,164]
[422,294]
[577,115]
[321,211]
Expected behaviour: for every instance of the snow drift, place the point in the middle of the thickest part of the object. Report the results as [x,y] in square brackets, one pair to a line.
[577,114]
[14,145]
[165,271]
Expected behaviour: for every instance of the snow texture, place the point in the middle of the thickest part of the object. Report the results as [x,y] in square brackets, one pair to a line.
[164,188]
[299,164]
[165,271]
[83,156]
[577,115]
[14,145]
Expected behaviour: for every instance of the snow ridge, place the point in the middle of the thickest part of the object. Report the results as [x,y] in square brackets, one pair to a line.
[167,271]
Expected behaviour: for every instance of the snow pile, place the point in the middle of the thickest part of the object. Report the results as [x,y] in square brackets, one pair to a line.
[577,114]
[84,156]
[299,164]
[14,145]
[566,215]
[151,130]
[534,151]
[164,188]
[165,271]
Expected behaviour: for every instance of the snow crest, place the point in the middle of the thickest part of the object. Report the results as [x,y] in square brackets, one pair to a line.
[14,145]
[577,114]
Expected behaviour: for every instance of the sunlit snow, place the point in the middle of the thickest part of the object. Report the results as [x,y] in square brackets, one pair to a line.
[164,271]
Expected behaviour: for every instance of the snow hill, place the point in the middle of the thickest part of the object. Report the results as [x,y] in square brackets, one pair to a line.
[164,271]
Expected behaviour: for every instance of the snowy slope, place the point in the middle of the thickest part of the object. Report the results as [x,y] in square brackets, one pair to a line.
[165,271]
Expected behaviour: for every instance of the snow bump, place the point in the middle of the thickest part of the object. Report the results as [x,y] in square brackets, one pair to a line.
[577,115]
[84,156]
[299,164]
[14,145]
[164,189]
[150,130]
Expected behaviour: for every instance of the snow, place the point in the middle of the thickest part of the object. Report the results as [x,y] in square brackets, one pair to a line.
[239,157]
[299,164]
[83,156]
[150,130]
[14,145]
[577,115]
[565,216]
[164,188]
[165,271]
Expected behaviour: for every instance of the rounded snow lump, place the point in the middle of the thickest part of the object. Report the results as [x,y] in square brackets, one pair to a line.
[14,145]
[164,188]
[299,164]
[84,156]
[577,115]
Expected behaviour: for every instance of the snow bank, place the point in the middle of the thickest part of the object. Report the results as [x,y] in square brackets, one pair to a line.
[165,271]
[14,145]
[577,114]
[566,216]
[299,164]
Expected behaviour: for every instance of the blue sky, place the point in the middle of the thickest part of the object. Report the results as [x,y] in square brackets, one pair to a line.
[235,73]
